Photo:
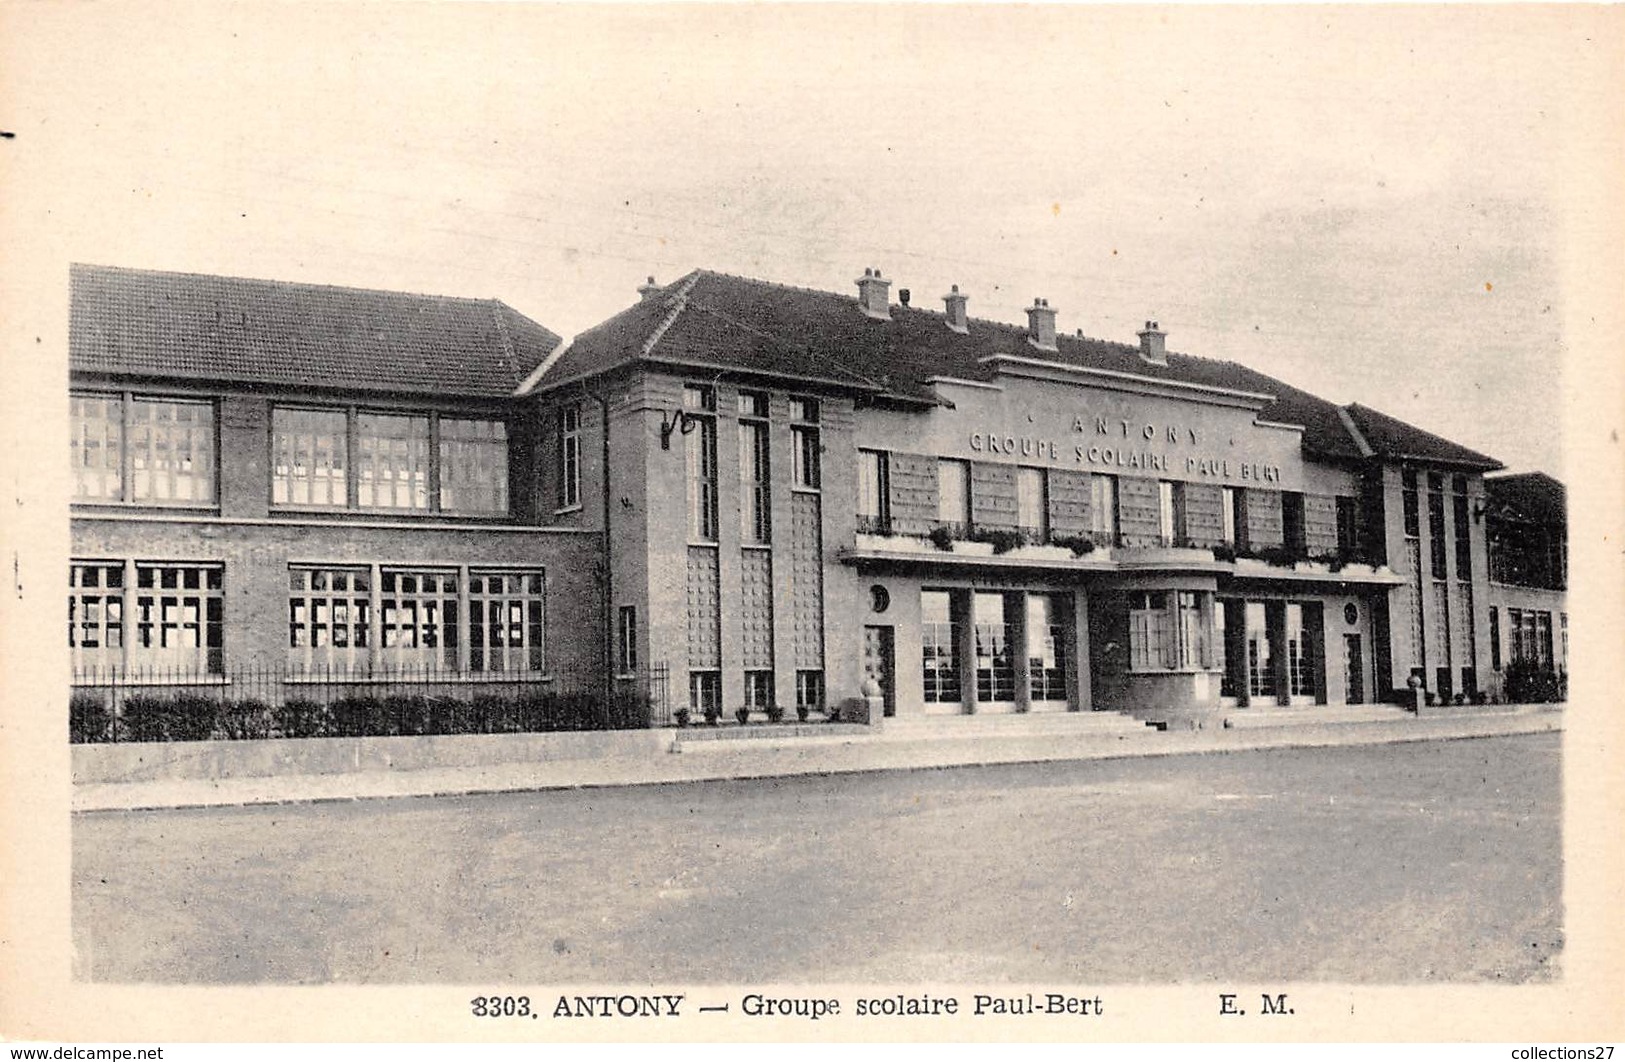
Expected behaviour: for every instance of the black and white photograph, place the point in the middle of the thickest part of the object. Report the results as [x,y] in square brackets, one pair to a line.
[876,521]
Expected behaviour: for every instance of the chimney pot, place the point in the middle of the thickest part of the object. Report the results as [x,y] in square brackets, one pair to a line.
[1154,344]
[958,321]
[1041,325]
[902,296]
[873,297]
[648,290]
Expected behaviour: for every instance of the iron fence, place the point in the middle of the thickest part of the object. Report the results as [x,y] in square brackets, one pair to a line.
[252,703]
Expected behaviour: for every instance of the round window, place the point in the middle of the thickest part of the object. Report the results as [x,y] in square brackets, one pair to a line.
[1351,615]
[879,598]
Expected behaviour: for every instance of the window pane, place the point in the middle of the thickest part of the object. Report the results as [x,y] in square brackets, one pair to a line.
[97,446]
[308,463]
[473,466]
[393,468]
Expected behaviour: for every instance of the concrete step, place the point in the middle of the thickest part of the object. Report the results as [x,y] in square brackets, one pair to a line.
[1009,725]
[1312,715]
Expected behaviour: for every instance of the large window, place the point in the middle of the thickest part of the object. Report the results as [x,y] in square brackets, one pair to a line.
[96,615]
[806,453]
[755,490]
[995,662]
[759,690]
[1438,555]
[874,490]
[1103,509]
[1032,502]
[310,455]
[392,468]
[473,466]
[1048,639]
[810,690]
[569,469]
[705,692]
[128,448]
[1150,640]
[1348,526]
[176,627]
[179,619]
[1260,649]
[953,495]
[329,620]
[506,621]
[1463,529]
[400,462]
[700,459]
[1412,508]
[939,648]
[1300,668]
[1294,531]
[419,624]
[1171,512]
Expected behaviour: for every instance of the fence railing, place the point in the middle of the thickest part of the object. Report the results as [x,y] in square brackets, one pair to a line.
[249,703]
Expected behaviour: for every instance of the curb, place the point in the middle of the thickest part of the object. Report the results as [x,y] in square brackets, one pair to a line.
[786,758]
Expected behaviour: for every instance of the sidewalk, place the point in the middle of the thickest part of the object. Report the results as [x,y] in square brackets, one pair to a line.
[698,756]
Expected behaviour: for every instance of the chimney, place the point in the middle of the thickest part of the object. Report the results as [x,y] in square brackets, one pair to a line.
[1041,325]
[957,320]
[1154,344]
[649,289]
[872,300]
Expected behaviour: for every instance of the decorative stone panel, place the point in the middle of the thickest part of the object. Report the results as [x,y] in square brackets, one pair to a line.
[756,609]
[807,581]
[1204,514]
[1319,524]
[913,495]
[1068,502]
[1439,630]
[1139,511]
[993,496]
[1265,527]
[704,612]
[1461,624]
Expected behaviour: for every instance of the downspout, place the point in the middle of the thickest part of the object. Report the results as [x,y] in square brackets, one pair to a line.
[609,568]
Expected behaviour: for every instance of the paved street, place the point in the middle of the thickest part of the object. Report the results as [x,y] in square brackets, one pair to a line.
[1425,862]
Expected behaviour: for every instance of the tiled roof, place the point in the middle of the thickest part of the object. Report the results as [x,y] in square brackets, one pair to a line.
[719,321]
[1531,496]
[1395,439]
[142,323]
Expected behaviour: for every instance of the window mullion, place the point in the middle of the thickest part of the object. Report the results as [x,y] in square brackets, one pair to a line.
[434,468]
[126,456]
[464,619]
[352,448]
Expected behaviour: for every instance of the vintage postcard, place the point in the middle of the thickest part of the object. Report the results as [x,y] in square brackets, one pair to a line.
[919,522]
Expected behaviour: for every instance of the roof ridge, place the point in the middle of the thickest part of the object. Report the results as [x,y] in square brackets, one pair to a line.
[275,283]
[508,351]
[679,302]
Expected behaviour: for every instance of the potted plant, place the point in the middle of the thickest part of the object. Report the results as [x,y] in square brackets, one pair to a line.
[742,713]
[682,715]
[802,711]
[775,713]
[713,714]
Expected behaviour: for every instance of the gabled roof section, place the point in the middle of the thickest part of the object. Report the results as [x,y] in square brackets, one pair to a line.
[722,322]
[142,323]
[1395,440]
[1532,496]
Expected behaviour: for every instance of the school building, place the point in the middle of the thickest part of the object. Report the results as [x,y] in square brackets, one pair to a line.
[782,498]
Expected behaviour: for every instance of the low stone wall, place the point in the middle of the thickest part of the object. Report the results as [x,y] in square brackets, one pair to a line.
[213,760]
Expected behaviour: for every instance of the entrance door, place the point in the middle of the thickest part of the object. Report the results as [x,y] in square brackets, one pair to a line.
[877,664]
[1353,670]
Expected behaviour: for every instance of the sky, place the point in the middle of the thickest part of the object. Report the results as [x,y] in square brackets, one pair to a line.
[1366,203]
